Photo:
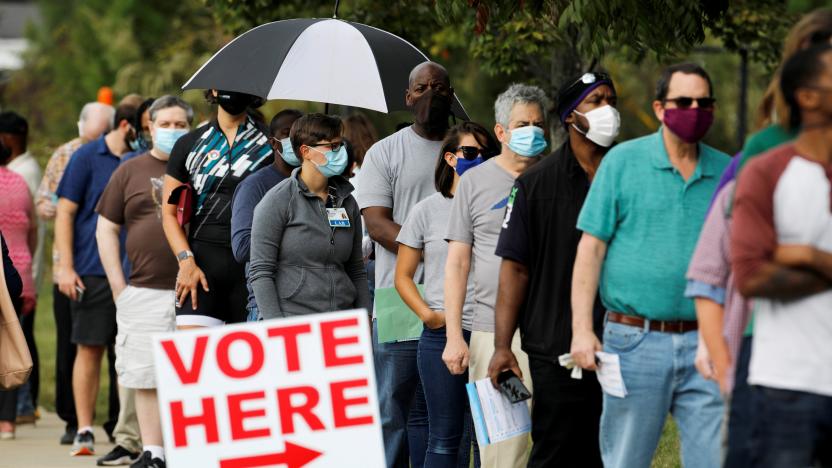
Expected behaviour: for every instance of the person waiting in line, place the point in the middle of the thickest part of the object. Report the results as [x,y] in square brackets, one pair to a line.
[306,234]
[19,226]
[250,191]
[724,315]
[144,304]
[473,230]
[423,236]
[213,159]
[538,243]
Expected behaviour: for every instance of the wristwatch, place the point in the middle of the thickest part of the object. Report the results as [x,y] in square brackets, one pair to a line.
[184,255]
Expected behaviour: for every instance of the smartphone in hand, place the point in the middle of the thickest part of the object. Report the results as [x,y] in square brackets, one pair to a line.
[512,387]
[80,294]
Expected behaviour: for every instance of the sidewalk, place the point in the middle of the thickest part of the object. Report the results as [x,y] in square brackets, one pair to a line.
[38,447]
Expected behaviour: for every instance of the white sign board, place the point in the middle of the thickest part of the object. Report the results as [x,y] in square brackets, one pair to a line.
[295,392]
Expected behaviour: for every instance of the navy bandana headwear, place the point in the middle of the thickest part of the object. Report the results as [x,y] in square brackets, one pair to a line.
[571,96]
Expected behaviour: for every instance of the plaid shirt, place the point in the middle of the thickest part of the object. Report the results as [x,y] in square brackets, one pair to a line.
[51,177]
[711,265]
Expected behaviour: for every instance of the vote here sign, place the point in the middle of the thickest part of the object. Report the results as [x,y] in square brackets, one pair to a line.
[295,392]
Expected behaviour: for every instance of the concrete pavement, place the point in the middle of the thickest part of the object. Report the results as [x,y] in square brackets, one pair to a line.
[38,447]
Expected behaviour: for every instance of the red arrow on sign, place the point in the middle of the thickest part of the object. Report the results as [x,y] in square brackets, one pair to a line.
[294,456]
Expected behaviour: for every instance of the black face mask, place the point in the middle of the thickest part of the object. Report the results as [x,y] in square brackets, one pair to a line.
[431,110]
[236,103]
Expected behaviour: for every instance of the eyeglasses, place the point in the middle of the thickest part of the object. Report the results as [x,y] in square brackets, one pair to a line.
[469,152]
[686,102]
[334,146]
[589,78]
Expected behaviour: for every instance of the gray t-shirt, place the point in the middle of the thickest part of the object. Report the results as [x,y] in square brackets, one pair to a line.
[397,173]
[477,213]
[425,229]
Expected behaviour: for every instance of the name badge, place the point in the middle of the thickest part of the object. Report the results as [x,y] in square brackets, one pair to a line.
[337,217]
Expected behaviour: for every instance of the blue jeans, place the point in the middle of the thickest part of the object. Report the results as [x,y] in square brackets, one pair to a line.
[404,415]
[740,413]
[253,314]
[449,443]
[658,371]
[791,428]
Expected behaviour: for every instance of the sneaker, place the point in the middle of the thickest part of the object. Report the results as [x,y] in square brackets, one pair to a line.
[118,456]
[69,436]
[84,444]
[6,435]
[145,461]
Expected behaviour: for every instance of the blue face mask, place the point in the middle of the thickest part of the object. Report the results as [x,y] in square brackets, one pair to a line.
[463,164]
[528,141]
[139,144]
[288,154]
[166,137]
[336,162]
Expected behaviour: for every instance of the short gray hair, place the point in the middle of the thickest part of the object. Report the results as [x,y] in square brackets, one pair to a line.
[518,93]
[168,101]
[91,107]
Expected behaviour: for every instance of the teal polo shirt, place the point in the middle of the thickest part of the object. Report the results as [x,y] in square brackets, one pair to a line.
[650,218]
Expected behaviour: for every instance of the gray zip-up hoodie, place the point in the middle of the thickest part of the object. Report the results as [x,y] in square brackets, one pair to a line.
[299,264]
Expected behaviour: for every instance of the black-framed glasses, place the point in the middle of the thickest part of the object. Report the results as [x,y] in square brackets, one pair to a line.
[589,78]
[334,146]
[469,152]
[685,102]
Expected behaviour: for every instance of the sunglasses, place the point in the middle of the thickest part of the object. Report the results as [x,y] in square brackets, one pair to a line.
[589,78]
[469,152]
[334,146]
[686,102]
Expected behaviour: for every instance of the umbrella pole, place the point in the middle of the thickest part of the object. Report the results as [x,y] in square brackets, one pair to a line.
[335,14]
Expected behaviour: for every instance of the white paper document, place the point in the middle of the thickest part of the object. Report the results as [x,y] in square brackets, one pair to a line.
[495,417]
[609,374]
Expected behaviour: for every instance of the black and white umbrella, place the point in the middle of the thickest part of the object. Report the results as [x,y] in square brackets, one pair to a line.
[323,60]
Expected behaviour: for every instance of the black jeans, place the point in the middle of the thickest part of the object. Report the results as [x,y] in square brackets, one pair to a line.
[565,417]
[791,428]
[741,413]
[64,359]
[27,323]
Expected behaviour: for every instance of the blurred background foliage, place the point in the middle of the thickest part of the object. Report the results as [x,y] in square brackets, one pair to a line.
[151,47]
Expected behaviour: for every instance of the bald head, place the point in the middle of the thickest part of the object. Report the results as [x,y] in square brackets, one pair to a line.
[428,71]
[95,119]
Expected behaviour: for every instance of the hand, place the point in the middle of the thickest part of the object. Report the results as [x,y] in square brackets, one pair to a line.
[46,210]
[434,320]
[188,280]
[68,279]
[455,355]
[703,363]
[502,359]
[795,255]
[584,346]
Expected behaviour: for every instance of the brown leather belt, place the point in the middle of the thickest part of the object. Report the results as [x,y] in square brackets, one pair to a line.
[666,326]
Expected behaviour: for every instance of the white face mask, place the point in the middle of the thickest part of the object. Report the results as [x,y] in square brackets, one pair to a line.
[604,124]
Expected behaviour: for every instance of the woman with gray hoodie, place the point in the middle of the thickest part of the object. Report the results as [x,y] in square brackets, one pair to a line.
[306,234]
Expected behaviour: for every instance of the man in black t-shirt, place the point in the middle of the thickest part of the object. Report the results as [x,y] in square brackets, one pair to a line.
[538,244]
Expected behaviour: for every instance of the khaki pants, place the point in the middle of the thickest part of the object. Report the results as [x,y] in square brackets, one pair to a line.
[126,431]
[511,453]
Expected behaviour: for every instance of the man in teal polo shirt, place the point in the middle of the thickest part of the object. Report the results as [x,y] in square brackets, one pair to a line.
[641,221]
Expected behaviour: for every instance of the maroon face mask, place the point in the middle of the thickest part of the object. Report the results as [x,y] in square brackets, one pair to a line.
[689,124]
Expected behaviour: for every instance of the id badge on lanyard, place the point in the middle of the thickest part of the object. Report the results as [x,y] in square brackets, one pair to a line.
[338,217]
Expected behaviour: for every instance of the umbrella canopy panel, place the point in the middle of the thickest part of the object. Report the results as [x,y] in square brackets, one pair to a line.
[322,60]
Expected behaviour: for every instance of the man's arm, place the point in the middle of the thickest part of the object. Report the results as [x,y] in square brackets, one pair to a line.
[585,277]
[68,279]
[381,227]
[109,248]
[774,281]
[514,281]
[242,214]
[457,268]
